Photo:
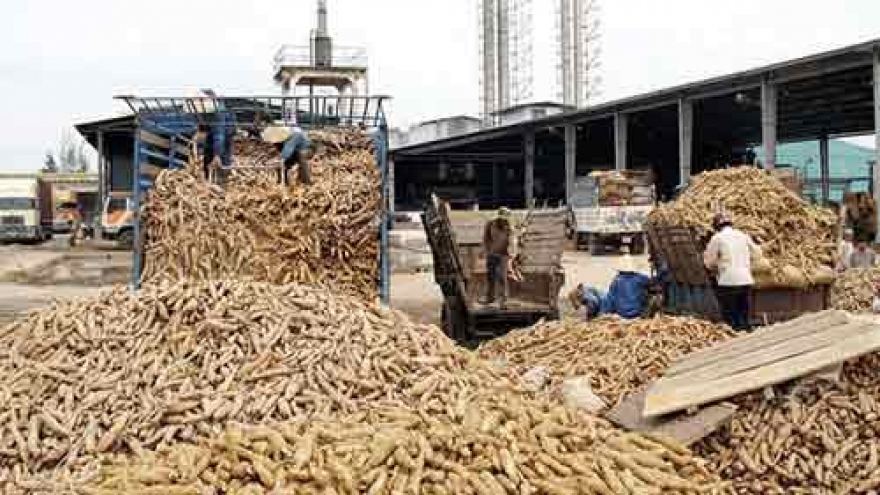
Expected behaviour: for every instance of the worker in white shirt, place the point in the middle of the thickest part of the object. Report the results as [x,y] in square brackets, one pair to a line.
[845,250]
[730,254]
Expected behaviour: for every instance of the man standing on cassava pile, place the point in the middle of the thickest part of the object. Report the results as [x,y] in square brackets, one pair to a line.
[216,134]
[295,148]
[730,253]
[498,239]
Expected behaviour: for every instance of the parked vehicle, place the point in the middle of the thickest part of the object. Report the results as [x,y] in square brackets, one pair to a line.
[609,209]
[460,271]
[117,220]
[26,210]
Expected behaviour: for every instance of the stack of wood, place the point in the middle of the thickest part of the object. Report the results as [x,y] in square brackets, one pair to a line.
[256,228]
[364,400]
[797,239]
[618,357]
[854,290]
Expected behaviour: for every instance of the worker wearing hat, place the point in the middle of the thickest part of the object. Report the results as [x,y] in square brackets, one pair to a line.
[729,254]
[628,294]
[498,239]
[295,148]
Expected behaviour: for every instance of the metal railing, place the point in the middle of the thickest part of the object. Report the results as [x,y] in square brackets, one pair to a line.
[343,57]
[254,111]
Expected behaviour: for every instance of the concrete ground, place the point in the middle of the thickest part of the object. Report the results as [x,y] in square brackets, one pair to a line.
[418,295]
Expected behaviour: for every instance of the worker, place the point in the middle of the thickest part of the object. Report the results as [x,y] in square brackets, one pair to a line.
[296,150]
[862,256]
[216,134]
[845,250]
[589,298]
[730,253]
[628,294]
[498,239]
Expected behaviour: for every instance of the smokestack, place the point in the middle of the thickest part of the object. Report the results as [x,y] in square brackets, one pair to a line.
[322,18]
[322,45]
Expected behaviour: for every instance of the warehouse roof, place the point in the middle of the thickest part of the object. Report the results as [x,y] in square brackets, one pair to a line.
[828,93]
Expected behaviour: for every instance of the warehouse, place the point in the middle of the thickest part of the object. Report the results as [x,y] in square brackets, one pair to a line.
[675,132]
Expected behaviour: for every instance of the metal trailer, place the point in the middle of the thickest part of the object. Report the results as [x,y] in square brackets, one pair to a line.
[688,289]
[165,127]
[459,270]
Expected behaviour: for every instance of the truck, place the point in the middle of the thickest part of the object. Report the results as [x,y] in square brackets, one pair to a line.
[609,209]
[117,219]
[26,210]
[460,271]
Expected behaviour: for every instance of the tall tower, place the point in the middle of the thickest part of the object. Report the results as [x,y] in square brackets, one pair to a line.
[530,53]
[321,67]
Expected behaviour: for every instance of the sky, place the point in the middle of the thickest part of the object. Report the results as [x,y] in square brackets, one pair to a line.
[61,62]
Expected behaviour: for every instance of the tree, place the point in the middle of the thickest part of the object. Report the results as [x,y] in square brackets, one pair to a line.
[73,154]
[49,165]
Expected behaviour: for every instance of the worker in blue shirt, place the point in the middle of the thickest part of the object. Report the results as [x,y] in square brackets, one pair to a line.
[296,150]
[628,295]
[217,133]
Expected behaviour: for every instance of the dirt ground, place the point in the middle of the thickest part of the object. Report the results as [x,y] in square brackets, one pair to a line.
[418,295]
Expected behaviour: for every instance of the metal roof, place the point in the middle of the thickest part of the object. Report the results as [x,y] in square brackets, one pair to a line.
[803,75]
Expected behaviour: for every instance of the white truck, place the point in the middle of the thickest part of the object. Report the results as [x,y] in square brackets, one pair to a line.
[26,209]
[609,209]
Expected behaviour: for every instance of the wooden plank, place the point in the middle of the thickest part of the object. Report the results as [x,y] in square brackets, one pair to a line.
[764,355]
[768,336]
[685,429]
[696,394]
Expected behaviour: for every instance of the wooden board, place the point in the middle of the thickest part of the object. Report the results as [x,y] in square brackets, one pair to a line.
[760,366]
[685,429]
[765,337]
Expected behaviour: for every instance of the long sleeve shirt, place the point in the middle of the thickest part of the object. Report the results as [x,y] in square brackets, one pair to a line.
[628,295]
[498,237]
[730,252]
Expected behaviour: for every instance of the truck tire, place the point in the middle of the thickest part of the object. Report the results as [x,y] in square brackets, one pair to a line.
[454,322]
[638,244]
[126,239]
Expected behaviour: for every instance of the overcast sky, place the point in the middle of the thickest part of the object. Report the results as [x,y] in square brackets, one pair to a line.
[62,61]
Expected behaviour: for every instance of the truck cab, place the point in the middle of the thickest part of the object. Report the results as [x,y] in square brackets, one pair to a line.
[117,220]
[26,210]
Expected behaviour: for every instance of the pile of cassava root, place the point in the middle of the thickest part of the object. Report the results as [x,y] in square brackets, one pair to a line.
[854,289]
[126,374]
[495,449]
[797,239]
[255,228]
[618,356]
[810,437]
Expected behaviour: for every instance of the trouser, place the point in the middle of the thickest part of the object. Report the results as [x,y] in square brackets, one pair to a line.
[735,305]
[496,273]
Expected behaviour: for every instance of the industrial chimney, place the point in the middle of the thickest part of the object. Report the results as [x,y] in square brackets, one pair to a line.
[322,45]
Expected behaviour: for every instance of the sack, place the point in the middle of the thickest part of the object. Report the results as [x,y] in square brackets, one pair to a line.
[761,265]
[536,378]
[577,393]
[792,277]
[824,275]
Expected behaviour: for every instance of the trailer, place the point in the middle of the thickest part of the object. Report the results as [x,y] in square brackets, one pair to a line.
[689,290]
[459,270]
[165,127]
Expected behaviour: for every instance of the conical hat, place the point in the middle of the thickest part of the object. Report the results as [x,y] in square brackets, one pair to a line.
[276,134]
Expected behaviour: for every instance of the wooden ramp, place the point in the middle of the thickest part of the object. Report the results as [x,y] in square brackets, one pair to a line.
[768,357]
[684,428]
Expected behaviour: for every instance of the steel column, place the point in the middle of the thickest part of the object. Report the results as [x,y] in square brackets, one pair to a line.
[621,131]
[877,131]
[529,178]
[685,140]
[768,122]
[824,169]
[570,160]
[102,182]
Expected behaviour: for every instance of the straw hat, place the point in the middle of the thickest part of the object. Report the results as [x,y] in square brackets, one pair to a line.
[503,212]
[628,264]
[276,134]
